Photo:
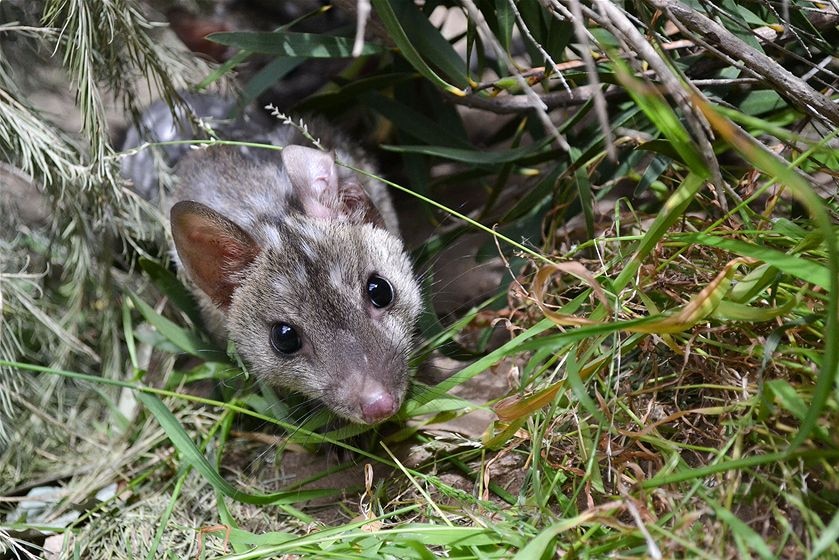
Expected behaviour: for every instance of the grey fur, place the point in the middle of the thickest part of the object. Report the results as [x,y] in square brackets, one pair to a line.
[307,259]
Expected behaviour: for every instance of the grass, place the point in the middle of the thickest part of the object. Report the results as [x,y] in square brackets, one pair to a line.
[669,370]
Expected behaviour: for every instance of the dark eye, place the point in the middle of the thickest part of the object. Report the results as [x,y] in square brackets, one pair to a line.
[380,291]
[284,339]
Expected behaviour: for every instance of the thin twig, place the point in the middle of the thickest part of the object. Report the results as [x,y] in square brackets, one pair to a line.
[591,71]
[517,104]
[785,82]
[361,19]
[526,32]
[535,101]
[615,19]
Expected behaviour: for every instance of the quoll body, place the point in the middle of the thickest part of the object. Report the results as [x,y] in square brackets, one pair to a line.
[297,260]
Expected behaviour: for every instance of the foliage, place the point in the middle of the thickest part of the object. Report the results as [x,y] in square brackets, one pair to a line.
[659,179]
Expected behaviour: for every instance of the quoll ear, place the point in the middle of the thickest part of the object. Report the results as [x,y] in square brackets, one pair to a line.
[213,250]
[314,177]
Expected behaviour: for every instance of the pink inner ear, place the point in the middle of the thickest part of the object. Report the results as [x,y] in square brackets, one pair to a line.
[213,250]
[315,209]
[358,207]
[314,178]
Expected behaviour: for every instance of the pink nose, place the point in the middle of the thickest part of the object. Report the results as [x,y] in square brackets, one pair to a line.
[377,407]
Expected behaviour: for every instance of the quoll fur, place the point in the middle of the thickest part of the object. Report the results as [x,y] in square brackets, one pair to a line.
[297,260]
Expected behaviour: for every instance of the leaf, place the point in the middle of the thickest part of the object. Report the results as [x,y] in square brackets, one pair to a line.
[429,42]
[440,404]
[743,532]
[765,161]
[192,455]
[735,22]
[788,398]
[827,539]
[584,190]
[271,74]
[289,43]
[652,102]
[180,337]
[174,289]
[481,364]
[534,198]
[731,311]
[662,147]
[412,122]
[406,46]
[541,546]
[473,156]
[504,15]
[762,102]
[699,307]
[796,266]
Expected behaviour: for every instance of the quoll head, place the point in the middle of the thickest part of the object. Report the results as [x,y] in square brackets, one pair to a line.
[321,301]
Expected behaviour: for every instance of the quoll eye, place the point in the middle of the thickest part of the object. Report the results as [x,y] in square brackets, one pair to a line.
[380,291]
[284,339]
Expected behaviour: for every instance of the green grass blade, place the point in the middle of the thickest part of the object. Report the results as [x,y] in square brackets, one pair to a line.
[429,43]
[828,539]
[184,339]
[803,269]
[766,162]
[193,456]
[651,101]
[743,532]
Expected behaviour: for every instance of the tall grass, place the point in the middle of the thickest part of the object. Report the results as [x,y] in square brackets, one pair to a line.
[660,184]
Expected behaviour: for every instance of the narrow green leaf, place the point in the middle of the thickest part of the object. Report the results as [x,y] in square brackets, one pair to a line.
[128,333]
[482,364]
[288,43]
[731,311]
[271,74]
[192,455]
[506,20]
[827,540]
[174,289]
[163,521]
[429,43]
[180,337]
[735,21]
[788,398]
[540,545]
[652,102]
[739,464]
[473,156]
[793,265]
[584,191]
[406,46]
[748,536]
[768,163]
[414,123]
[572,372]
[535,197]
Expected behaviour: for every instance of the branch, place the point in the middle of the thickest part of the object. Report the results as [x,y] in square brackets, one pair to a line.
[505,104]
[616,21]
[784,82]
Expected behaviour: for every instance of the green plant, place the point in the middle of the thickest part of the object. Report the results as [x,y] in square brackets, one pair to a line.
[669,217]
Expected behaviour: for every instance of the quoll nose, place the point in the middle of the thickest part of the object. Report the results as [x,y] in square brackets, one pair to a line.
[377,406]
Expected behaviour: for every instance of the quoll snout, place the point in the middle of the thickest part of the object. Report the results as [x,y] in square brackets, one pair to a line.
[368,400]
